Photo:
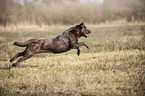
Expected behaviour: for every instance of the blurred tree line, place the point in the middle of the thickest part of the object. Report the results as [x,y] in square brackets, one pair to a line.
[69,11]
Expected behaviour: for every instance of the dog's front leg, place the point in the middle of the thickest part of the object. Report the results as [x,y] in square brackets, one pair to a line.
[83,44]
[78,53]
[76,46]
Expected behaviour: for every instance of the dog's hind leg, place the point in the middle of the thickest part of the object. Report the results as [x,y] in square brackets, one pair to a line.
[16,56]
[29,52]
[21,59]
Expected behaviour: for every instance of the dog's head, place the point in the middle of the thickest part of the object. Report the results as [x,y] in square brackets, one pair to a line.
[83,31]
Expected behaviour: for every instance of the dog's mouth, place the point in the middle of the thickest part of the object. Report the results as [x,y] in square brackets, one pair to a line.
[86,35]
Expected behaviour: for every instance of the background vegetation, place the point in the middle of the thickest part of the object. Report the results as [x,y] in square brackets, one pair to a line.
[50,12]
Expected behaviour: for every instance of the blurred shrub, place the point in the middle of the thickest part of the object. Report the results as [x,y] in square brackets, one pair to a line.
[70,11]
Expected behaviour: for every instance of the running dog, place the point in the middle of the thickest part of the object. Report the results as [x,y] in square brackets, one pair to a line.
[62,43]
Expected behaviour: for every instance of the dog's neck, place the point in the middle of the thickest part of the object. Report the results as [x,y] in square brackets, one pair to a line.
[73,32]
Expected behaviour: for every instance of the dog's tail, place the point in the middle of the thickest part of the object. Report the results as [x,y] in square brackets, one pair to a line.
[25,44]
[21,44]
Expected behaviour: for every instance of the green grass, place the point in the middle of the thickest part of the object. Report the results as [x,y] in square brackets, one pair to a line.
[114,64]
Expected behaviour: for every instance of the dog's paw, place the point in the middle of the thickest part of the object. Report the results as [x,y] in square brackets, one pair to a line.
[14,65]
[88,47]
[11,60]
[78,53]
[15,43]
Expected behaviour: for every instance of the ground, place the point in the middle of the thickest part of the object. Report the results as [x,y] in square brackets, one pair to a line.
[113,66]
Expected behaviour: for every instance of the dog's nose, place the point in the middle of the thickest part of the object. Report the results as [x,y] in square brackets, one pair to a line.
[89,31]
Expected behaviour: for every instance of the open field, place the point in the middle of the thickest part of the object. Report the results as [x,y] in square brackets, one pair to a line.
[113,66]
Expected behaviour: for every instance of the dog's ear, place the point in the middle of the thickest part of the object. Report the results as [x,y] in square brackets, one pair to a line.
[82,24]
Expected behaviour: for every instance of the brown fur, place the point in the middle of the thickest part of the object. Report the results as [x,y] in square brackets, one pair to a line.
[62,43]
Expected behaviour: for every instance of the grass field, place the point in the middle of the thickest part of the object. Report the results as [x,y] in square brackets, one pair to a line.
[113,66]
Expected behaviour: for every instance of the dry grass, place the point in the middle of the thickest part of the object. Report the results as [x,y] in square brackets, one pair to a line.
[114,65]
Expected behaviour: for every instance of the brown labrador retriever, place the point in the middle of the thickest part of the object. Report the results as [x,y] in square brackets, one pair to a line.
[62,43]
